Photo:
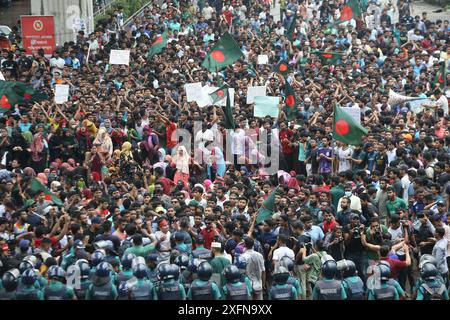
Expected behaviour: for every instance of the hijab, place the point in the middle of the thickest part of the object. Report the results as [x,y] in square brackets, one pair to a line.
[182,161]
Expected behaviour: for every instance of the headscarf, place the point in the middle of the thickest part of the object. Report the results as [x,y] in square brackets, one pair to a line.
[126,150]
[104,140]
[28,136]
[207,183]
[42,178]
[90,126]
[37,146]
[161,154]
[182,162]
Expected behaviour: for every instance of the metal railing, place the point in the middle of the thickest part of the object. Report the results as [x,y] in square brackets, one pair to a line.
[129,20]
[105,5]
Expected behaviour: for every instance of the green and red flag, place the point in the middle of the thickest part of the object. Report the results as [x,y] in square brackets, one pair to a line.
[266,210]
[158,45]
[225,52]
[290,108]
[282,68]
[12,93]
[290,31]
[440,81]
[228,113]
[36,187]
[346,129]
[219,94]
[328,57]
[350,11]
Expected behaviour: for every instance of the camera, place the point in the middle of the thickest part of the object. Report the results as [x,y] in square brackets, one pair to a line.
[340,239]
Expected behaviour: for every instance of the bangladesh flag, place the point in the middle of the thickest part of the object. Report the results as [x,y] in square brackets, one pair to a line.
[440,80]
[225,52]
[350,11]
[228,121]
[219,94]
[282,68]
[290,102]
[290,31]
[36,187]
[158,45]
[328,57]
[12,93]
[266,210]
[346,129]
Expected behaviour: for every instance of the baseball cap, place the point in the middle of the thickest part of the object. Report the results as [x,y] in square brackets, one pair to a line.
[159,209]
[24,244]
[96,220]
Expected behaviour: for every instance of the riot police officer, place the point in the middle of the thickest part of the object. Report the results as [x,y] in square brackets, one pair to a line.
[169,288]
[102,287]
[79,272]
[288,263]
[9,284]
[234,289]
[97,257]
[203,288]
[431,288]
[123,291]
[127,272]
[353,285]
[143,288]
[382,289]
[241,264]
[152,272]
[56,289]
[281,290]
[28,290]
[182,261]
[29,262]
[200,251]
[329,288]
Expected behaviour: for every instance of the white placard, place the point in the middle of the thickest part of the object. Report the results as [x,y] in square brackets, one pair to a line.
[263,59]
[266,106]
[119,57]
[61,93]
[354,112]
[222,102]
[253,92]
[194,91]
[2,77]
[417,106]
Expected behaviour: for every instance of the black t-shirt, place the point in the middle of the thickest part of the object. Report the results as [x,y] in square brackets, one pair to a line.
[354,246]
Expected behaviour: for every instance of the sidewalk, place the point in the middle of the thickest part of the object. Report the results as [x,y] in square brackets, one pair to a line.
[420,6]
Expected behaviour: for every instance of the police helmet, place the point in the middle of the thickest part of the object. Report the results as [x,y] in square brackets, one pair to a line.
[97,258]
[182,261]
[204,271]
[31,259]
[427,258]
[25,265]
[288,263]
[123,289]
[83,265]
[385,271]
[29,277]
[164,271]
[428,271]
[140,271]
[127,260]
[103,269]
[193,265]
[240,263]
[329,269]
[10,279]
[347,267]
[57,273]
[231,273]
[281,275]
[174,272]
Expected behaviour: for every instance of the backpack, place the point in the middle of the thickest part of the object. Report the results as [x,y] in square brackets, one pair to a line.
[435,293]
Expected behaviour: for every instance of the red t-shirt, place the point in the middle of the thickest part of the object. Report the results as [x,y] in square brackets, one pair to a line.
[395,265]
[286,134]
[171,127]
[167,183]
[37,242]
[208,236]
[328,226]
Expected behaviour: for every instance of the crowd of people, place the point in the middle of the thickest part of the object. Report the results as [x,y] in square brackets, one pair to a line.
[131,214]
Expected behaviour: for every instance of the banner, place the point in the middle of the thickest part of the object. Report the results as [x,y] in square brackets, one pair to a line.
[194,91]
[266,106]
[38,32]
[61,93]
[252,92]
[119,57]
[263,59]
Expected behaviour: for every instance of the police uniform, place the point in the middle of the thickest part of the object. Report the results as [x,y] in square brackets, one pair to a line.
[354,288]
[432,290]
[283,292]
[29,293]
[203,290]
[81,291]
[124,276]
[329,289]
[202,253]
[296,284]
[384,292]
[142,290]
[58,291]
[169,290]
[152,275]
[236,291]
[106,291]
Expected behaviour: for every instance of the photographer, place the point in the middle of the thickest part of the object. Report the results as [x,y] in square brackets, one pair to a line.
[334,243]
[354,249]
[303,241]
[374,237]
[313,262]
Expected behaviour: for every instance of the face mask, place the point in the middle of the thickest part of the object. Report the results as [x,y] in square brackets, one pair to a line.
[348,193]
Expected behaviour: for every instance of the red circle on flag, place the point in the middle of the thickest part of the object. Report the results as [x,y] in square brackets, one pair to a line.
[158,41]
[290,101]
[327,55]
[342,127]
[218,55]
[220,93]
[27,96]
[283,67]
[346,13]
[4,103]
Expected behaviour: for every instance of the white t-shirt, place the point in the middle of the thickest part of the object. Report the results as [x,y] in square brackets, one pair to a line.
[344,164]
[282,252]
[207,12]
